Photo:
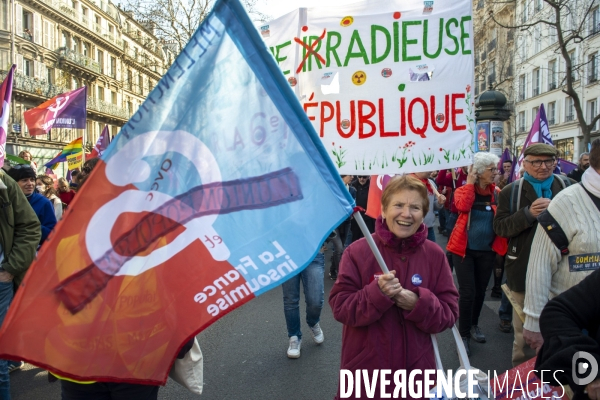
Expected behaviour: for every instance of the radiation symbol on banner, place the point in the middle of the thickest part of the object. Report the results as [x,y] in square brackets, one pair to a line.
[346,21]
[359,78]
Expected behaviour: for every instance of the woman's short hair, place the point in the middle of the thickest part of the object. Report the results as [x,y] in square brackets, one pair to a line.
[23,152]
[404,182]
[63,180]
[482,160]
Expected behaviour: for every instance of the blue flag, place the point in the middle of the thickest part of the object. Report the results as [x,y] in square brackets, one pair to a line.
[216,190]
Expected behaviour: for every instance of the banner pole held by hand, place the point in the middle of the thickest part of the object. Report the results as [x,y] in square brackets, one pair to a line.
[363,227]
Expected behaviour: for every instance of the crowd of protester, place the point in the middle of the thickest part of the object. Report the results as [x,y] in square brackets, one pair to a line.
[500,230]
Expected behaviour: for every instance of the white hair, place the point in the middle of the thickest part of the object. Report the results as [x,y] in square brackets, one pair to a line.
[483,160]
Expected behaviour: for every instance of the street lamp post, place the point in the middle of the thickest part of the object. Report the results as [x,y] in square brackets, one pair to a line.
[490,114]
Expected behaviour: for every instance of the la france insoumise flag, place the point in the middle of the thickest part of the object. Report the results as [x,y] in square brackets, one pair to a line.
[217,190]
[387,84]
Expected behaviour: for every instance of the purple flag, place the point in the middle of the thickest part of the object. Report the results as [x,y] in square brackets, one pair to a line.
[539,133]
[67,110]
[566,166]
[5,95]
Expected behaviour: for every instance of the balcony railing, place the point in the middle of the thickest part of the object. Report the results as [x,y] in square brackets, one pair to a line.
[551,86]
[79,59]
[536,91]
[522,128]
[107,108]
[569,117]
[551,121]
[521,96]
[146,43]
[592,78]
[33,85]
[492,45]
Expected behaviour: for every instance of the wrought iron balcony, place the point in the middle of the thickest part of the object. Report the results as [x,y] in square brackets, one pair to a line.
[79,59]
[569,118]
[592,78]
[551,85]
[551,121]
[107,108]
[34,86]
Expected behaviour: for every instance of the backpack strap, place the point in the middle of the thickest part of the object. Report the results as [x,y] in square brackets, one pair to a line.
[554,232]
[564,180]
[515,195]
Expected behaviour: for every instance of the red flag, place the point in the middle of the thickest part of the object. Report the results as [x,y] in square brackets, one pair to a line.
[101,144]
[67,110]
[378,183]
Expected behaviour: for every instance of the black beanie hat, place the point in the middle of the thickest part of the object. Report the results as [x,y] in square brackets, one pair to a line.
[21,171]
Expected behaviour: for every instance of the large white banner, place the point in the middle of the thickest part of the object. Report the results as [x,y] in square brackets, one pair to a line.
[386,83]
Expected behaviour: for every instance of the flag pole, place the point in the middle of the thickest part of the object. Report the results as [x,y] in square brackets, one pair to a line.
[363,227]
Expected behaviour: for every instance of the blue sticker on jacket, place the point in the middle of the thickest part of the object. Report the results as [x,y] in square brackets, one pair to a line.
[416,280]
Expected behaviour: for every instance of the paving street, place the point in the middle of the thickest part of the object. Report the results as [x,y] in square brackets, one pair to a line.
[245,355]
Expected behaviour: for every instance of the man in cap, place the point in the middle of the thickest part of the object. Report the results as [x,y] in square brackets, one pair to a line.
[519,204]
[566,246]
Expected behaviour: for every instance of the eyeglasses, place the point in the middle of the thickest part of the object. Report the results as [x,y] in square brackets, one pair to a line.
[538,163]
[493,169]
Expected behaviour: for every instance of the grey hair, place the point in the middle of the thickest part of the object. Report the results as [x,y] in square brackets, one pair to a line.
[583,154]
[483,160]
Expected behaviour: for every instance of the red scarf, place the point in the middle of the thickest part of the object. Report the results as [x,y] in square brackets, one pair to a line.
[486,191]
[425,182]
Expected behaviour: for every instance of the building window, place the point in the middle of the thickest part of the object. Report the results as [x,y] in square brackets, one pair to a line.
[534,113]
[4,15]
[565,148]
[552,75]
[551,113]
[594,21]
[113,97]
[522,88]
[113,67]
[100,92]
[28,67]
[593,68]
[524,13]
[539,4]
[522,121]
[536,82]
[592,111]
[573,58]
[50,75]
[552,35]
[537,37]
[140,84]
[569,110]
[100,59]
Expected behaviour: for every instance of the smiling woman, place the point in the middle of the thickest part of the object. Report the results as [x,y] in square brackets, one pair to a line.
[382,313]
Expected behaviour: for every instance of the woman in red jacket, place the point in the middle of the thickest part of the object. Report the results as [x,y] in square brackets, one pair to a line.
[388,318]
[474,244]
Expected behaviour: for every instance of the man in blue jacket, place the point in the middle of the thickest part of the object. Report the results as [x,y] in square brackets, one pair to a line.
[25,177]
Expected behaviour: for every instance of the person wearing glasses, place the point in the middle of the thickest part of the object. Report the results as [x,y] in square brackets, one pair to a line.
[25,177]
[473,243]
[519,204]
